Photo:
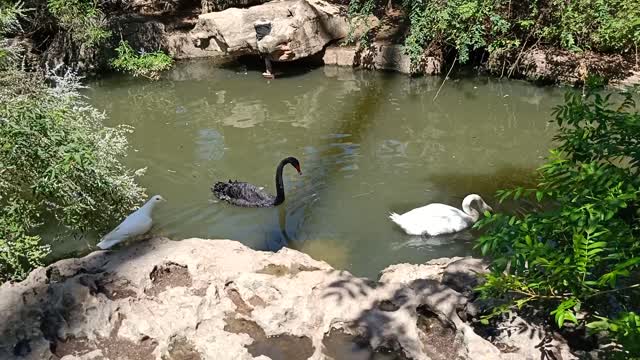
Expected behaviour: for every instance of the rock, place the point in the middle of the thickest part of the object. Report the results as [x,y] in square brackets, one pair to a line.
[64,50]
[159,7]
[290,29]
[550,65]
[152,35]
[406,273]
[140,32]
[198,299]
[631,80]
[25,49]
[208,6]
[527,340]
[381,56]
[464,275]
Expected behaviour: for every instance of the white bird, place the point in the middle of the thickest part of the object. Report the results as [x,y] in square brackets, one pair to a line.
[138,223]
[437,219]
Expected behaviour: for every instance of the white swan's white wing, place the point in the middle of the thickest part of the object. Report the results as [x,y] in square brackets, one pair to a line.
[135,224]
[432,219]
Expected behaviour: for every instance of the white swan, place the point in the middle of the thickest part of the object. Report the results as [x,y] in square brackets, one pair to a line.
[138,223]
[437,219]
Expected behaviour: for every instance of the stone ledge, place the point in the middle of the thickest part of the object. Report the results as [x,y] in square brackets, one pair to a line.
[198,299]
[380,56]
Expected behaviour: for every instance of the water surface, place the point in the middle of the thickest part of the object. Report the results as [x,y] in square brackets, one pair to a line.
[369,143]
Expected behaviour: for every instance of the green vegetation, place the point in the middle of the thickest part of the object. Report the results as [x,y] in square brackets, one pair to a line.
[82,19]
[9,21]
[504,25]
[58,162]
[149,65]
[579,256]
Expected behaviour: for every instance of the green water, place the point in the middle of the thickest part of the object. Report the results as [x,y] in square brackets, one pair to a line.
[368,142]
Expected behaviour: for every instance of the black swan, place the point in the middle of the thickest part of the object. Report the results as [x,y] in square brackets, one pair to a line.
[248,195]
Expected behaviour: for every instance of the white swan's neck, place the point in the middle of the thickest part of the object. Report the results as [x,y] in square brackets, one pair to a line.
[468,209]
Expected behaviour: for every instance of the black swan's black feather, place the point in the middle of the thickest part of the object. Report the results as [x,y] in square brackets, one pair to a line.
[248,195]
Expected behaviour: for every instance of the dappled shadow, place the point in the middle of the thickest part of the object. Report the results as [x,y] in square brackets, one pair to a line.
[57,304]
[348,287]
[417,317]
[536,329]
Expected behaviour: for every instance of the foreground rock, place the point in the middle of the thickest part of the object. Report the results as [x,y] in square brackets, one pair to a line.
[283,30]
[217,299]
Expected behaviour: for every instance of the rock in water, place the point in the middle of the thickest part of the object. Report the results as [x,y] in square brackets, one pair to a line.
[136,224]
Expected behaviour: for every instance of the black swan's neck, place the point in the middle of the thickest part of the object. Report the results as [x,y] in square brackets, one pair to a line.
[279,186]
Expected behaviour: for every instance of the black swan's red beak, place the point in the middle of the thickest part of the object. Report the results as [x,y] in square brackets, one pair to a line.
[298,168]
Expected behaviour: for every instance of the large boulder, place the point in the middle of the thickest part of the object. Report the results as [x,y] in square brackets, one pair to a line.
[284,30]
[218,299]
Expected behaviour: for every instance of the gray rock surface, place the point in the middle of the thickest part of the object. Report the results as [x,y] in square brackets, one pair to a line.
[218,299]
[298,28]
[463,275]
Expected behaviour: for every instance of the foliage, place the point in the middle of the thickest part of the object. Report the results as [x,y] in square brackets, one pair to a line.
[82,18]
[19,252]
[503,25]
[581,253]
[626,329]
[463,24]
[358,17]
[58,162]
[149,65]
[10,13]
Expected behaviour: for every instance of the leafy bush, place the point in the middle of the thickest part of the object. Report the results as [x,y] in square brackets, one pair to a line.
[9,21]
[580,255]
[58,161]
[19,252]
[149,65]
[463,24]
[604,25]
[626,328]
[82,18]
[503,25]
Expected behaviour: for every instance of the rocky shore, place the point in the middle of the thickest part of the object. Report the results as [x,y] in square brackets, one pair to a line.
[218,299]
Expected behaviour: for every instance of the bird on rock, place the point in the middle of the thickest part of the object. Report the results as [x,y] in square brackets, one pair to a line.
[138,223]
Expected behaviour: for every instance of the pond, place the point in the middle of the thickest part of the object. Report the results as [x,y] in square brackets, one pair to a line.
[368,142]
